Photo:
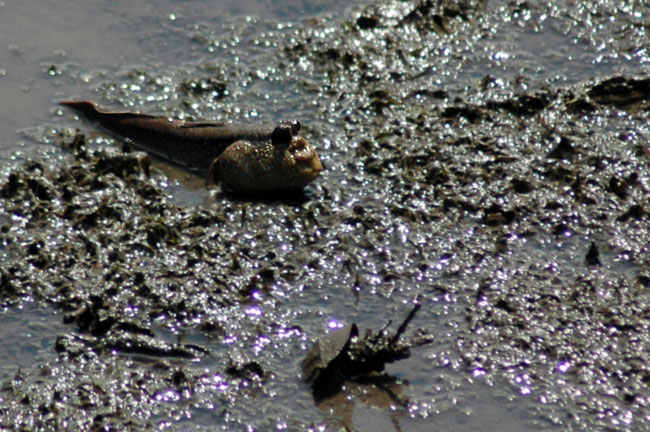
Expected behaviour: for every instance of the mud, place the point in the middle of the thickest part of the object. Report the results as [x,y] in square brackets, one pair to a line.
[504,186]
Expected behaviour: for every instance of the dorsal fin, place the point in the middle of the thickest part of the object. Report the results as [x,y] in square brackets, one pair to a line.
[92,112]
[86,108]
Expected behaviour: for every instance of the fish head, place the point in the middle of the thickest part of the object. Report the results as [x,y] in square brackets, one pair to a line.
[286,162]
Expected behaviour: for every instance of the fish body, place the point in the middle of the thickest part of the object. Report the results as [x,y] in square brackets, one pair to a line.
[248,158]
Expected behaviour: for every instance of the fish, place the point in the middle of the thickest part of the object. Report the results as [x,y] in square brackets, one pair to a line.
[245,158]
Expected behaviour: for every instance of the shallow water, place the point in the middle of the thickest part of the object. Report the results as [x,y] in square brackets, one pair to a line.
[96,39]
[28,334]
[135,57]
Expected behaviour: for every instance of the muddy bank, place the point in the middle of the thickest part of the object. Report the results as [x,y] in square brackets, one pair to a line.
[512,202]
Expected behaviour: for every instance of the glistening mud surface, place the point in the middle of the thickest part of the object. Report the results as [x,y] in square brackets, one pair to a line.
[491,159]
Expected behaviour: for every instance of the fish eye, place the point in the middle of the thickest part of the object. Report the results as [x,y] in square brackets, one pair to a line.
[282,134]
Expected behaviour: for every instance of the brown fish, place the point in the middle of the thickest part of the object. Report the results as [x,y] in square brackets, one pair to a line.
[247,158]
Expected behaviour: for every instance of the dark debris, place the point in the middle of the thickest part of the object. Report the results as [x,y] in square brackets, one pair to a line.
[345,355]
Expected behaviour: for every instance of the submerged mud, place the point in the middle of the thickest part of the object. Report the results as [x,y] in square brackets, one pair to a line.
[510,197]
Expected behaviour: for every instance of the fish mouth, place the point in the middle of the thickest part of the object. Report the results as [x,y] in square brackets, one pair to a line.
[307,161]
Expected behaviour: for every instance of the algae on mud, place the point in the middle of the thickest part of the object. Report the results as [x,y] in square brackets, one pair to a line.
[473,179]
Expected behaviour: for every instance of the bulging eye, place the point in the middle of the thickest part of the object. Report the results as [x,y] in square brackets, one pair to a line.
[282,134]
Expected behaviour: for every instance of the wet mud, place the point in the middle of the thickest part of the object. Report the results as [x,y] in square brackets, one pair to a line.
[510,198]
